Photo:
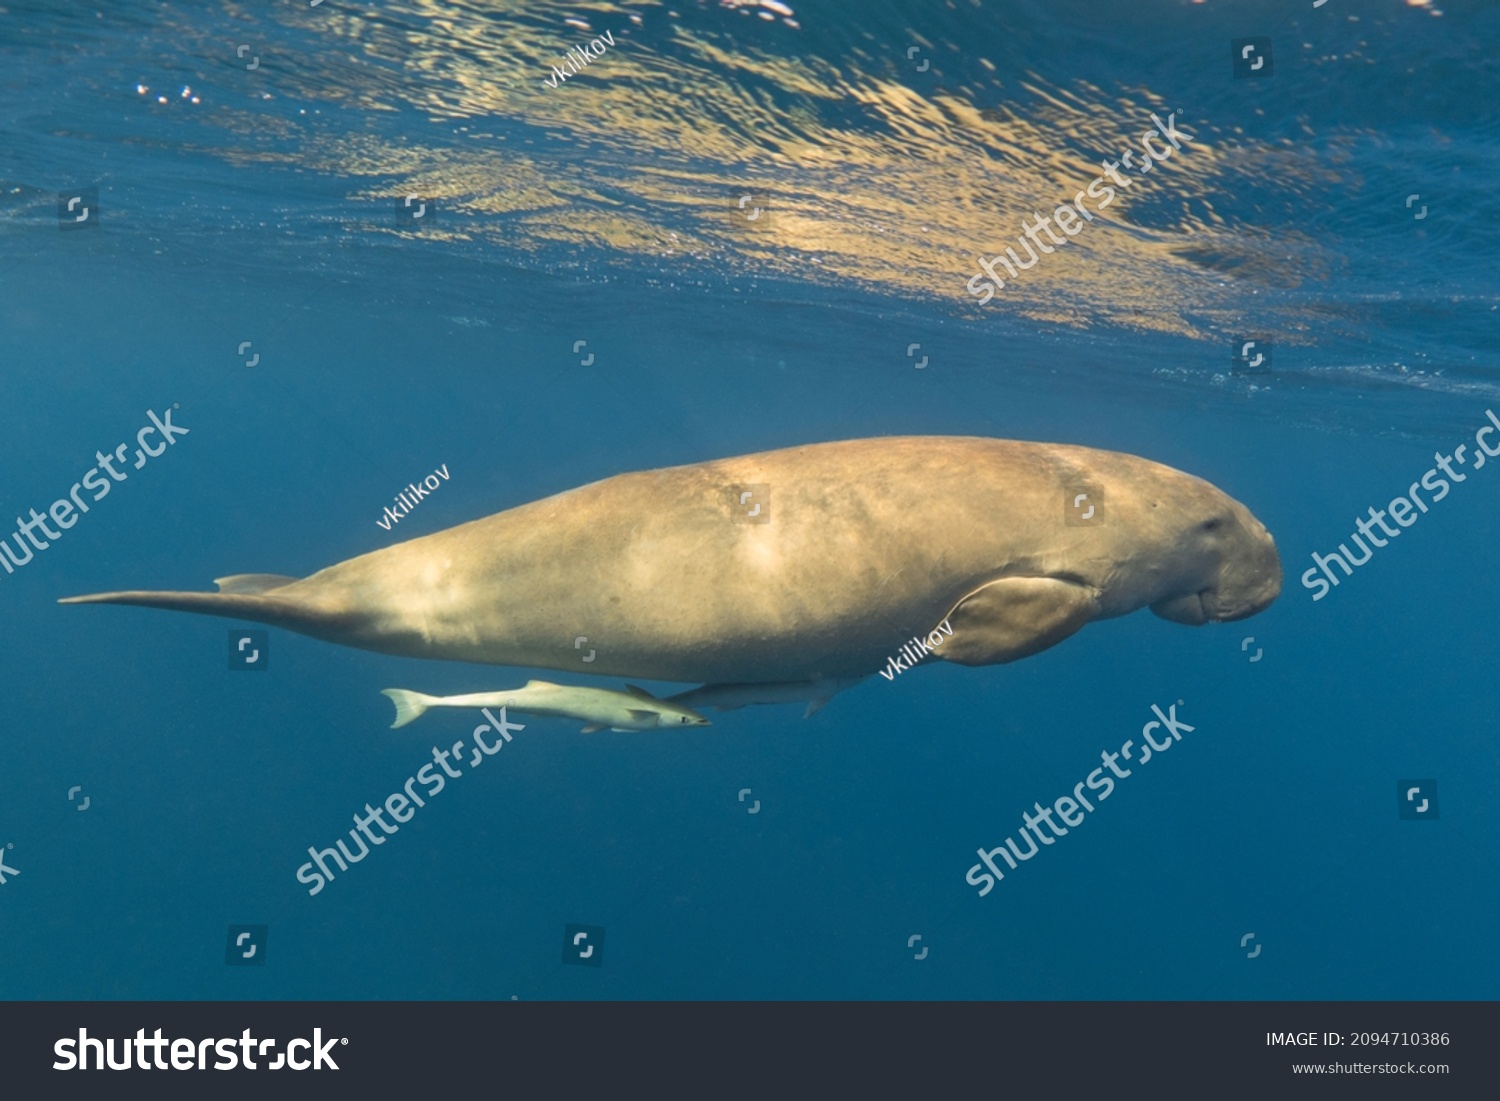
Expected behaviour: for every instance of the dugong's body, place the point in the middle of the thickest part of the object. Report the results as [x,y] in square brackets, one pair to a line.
[856,547]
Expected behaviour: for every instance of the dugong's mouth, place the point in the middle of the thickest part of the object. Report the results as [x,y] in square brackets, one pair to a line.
[1196,609]
[1189,609]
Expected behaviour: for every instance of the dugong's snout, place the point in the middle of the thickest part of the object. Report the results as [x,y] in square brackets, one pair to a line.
[1250,577]
[1241,567]
[1243,604]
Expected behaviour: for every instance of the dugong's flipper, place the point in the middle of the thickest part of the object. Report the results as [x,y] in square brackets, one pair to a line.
[1016,617]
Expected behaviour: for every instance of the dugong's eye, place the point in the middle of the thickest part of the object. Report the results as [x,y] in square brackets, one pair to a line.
[1211,525]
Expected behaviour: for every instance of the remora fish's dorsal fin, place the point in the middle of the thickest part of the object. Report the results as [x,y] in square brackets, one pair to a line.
[593,728]
[637,690]
[642,716]
[251,584]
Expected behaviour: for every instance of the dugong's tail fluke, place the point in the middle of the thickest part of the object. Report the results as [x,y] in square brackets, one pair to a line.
[409,705]
[261,609]
[259,598]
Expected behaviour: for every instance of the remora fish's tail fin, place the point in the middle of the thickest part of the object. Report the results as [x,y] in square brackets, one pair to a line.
[409,705]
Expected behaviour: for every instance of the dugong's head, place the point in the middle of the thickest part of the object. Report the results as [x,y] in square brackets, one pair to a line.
[1223,562]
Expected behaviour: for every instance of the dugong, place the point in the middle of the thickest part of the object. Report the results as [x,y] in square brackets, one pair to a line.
[808,563]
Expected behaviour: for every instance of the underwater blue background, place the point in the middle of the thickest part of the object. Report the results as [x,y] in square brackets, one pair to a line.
[265,213]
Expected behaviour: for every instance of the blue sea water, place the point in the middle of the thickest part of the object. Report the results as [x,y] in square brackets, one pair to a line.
[246,169]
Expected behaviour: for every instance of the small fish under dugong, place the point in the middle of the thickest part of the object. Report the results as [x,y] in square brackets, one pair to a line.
[599,707]
[851,550]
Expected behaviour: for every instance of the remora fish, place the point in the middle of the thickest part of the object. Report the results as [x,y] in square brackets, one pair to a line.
[636,709]
[730,697]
